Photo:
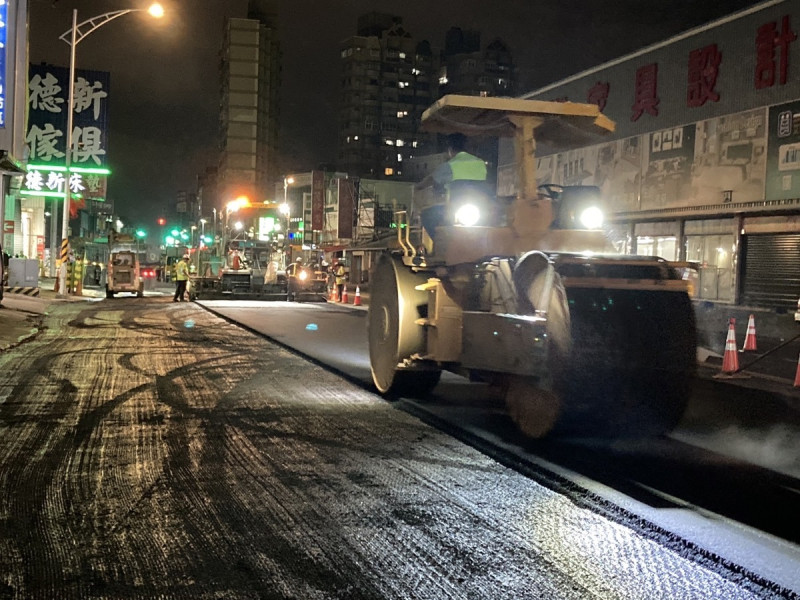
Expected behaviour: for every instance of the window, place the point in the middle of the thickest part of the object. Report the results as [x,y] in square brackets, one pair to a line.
[715,255]
[388,171]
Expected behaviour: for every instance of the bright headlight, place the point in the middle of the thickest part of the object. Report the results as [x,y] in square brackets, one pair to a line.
[592,218]
[303,275]
[467,214]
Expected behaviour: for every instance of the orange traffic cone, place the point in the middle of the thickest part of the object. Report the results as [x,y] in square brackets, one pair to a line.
[357,299]
[797,374]
[750,338]
[333,295]
[730,361]
[344,294]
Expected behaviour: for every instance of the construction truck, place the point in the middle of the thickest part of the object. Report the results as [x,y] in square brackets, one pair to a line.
[123,271]
[526,293]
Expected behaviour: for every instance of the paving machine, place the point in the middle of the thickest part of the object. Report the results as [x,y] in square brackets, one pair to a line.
[580,340]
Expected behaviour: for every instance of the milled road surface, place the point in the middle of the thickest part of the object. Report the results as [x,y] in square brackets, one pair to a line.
[152,450]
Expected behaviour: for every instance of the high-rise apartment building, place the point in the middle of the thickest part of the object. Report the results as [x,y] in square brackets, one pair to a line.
[466,69]
[388,80]
[250,72]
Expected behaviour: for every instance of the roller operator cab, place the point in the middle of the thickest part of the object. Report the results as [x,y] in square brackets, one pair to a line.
[528,294]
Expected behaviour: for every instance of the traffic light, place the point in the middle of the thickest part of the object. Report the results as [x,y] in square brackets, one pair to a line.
[161,221]
[141,233]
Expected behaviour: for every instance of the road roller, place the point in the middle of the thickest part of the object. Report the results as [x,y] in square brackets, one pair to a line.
[528,294]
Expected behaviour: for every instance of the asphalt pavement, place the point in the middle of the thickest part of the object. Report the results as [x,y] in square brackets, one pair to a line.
[770,370]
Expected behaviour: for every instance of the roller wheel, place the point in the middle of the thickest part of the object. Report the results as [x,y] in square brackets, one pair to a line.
[619,361]
[536,406]
[393,334]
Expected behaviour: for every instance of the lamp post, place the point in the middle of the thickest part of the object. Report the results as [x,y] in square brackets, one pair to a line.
[73,37]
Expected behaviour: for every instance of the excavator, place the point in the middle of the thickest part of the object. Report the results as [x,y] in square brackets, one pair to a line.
[527,293]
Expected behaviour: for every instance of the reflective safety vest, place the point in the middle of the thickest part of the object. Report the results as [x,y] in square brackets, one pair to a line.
[466,167]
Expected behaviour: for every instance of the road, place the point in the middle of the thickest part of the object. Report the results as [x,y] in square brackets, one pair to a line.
[151,449]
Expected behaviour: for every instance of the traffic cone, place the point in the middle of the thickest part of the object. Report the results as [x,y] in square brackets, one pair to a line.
[730,361]
[797,374]
[344,294]
[750,338]
[357,299]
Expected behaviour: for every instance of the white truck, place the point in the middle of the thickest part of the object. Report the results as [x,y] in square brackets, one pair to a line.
[123,272]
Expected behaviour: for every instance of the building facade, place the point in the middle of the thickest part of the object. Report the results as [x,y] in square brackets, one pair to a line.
[13,111]
[704,164]
[250,81]
[387,83]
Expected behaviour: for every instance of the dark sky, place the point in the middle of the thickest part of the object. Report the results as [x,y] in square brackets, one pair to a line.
[164,79]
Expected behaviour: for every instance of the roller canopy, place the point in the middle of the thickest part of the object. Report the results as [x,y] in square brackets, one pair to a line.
[557,124]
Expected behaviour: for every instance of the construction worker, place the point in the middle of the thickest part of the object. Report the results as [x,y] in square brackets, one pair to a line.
[181,278]
[293,268]
[340,275]
[463,170]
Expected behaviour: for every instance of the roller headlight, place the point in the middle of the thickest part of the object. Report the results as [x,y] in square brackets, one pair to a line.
[468,215]
[592,218]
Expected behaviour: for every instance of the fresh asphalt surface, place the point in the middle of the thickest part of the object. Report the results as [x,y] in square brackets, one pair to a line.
[760,553]
[720,432]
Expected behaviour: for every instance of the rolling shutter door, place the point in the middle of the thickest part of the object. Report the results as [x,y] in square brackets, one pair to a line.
[771,270]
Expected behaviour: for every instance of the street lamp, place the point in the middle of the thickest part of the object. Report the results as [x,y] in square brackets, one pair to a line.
[73,37]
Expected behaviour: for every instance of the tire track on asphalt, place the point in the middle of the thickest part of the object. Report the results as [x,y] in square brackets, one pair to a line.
[85,440]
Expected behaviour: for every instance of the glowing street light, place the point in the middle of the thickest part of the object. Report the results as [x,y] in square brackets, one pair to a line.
[73,37]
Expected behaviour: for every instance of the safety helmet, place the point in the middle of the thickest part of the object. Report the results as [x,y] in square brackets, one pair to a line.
[299,259]
[186,256]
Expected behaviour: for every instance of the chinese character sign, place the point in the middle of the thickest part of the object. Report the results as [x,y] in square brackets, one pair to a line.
[48,95]
[598,94]
[41,180]
[768,64]
[646,92]
[703,71]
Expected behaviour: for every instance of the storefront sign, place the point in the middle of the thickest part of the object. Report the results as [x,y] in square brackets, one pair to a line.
[52,181]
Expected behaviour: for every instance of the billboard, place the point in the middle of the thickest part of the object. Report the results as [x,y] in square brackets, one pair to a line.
[347,195]
[317,200]
[46,139]
[783,152]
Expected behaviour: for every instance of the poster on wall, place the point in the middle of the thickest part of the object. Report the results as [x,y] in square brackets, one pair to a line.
[618,173]
[783,152]
[730,158]
[667,163]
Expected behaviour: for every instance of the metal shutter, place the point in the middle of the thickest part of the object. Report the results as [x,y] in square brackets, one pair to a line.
[771,275]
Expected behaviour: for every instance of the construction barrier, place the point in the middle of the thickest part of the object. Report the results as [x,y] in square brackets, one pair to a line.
[730,361]
[357,298]
[750,338]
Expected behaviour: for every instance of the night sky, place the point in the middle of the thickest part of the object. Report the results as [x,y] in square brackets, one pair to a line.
[164,79]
